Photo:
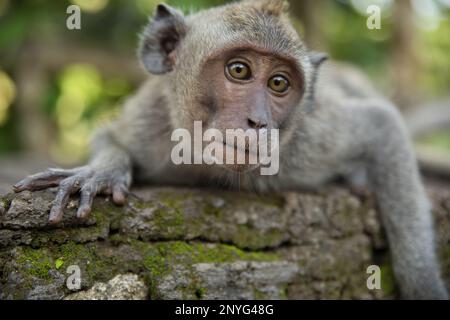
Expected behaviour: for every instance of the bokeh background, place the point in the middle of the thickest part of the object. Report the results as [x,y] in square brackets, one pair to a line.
[58,85]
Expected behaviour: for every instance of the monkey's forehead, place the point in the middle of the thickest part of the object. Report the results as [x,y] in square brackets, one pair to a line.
[236,24]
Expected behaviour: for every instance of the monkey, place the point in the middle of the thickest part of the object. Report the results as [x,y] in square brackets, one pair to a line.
[243,65]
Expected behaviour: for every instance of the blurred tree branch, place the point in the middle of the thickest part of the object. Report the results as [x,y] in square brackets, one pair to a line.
[404,64]
[308,11]
[35,66]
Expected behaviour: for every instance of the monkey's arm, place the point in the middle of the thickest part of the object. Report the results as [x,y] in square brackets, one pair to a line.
[138,138]
[380,133]
[109,172]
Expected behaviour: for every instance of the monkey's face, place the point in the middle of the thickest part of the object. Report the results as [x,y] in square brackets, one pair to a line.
[239,66]
[250,89]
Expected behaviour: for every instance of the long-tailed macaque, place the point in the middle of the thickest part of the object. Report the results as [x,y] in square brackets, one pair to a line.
[243,66]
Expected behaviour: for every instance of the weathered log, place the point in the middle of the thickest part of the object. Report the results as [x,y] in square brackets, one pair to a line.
[206,244]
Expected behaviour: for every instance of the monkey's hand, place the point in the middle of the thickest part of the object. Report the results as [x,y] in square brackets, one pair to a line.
[87,180]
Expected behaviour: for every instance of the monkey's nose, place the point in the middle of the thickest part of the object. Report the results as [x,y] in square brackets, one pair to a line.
[256,124]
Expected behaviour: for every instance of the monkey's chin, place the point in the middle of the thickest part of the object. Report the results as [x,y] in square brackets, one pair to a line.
[240,168]
[242,161]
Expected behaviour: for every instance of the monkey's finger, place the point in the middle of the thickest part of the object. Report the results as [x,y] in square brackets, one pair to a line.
[86,200]
[43,180]
[119,193]
[62,198]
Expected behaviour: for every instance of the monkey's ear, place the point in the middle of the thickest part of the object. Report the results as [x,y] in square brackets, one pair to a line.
[161,38]
[317,58]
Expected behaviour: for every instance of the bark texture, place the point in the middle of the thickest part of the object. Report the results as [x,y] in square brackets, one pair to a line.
[171,243]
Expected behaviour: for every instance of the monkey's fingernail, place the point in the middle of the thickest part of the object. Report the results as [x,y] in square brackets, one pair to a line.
[83,212]
[18,186]
[55,216]
[119,198]
[53,221]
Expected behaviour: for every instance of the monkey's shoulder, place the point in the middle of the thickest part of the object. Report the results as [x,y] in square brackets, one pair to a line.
[342,80]
[148,107]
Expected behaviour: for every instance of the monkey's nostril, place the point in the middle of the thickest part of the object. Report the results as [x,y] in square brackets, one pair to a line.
[256,124]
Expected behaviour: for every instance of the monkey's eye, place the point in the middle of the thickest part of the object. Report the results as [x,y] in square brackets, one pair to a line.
[279,84]
[239,70]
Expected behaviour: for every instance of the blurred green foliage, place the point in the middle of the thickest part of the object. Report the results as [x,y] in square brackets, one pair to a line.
[439,139]
[348,39]
[79,96]
[436,58]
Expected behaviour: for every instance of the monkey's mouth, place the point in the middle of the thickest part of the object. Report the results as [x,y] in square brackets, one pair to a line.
[237,149]
[237,152]
[243,159]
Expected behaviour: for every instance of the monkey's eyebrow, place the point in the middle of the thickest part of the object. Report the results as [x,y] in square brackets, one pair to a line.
[239,56]
[282,67]
[246,48]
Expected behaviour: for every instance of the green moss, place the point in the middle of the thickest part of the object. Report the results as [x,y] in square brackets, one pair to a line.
[59,263]
[97,267]
[170,222]
[3,203]
[100,218]
[238,199]
[174,200]
[6,201]
[444,253]
[282,291]
[36,262]
[211,210]
[258,295]
[387,280]
[156,264]
[246,237]
[168,214]
[43,263]
[118,239]
[72,252]
[165,254]
[101,262]
[200,292]
[162,257]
